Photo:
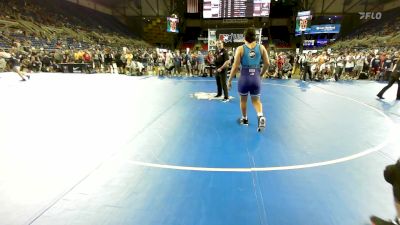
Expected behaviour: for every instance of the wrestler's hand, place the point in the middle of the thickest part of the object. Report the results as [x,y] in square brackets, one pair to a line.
[229,84]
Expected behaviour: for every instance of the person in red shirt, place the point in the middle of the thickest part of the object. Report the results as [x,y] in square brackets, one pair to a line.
[280,61]
[87,58]
[210,61]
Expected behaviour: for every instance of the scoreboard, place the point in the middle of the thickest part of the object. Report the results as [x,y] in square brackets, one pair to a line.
[235,8]
[303,22]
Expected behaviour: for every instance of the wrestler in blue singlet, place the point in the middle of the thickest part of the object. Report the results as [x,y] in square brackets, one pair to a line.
[249,60]
[250,79]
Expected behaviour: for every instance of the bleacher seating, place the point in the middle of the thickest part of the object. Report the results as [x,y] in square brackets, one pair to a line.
[44,23]
[375,33]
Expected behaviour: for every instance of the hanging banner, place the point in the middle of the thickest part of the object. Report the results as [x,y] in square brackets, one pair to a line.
[212,39]
[234,37]
[230,37]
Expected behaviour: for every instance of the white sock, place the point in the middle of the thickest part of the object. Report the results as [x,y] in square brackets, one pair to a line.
[244,117]
[259,114]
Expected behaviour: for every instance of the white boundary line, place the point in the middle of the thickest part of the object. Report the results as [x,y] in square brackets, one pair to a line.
[293,167]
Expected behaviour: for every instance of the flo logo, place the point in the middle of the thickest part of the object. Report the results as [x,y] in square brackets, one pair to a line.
[370,15]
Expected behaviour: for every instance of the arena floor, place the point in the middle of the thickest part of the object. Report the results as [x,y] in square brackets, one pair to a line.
[108,149]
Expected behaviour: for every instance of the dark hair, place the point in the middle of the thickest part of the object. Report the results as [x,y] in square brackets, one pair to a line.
[250,34]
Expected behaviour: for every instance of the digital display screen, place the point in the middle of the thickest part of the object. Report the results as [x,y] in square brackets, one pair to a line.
[325,29]
[321,29]
[303,22]
[172,25]
[235,8]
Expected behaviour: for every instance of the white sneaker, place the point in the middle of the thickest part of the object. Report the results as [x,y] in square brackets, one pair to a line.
[262,122]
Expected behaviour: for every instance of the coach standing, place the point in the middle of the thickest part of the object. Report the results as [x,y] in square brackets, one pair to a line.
[394,77]
[221,65]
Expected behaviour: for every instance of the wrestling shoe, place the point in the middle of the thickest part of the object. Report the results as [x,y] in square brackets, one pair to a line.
[243,121]
[262,123]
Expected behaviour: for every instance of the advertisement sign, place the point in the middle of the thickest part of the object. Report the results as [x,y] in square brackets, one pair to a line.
[322,42]
[325,29]
[321,29]
[234,37]
[212,38]
[230,37]
[308,43]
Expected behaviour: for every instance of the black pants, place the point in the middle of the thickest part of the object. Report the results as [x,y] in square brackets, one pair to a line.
[393,78]
[307,69]
[211,70]
[338,73]
[221,83]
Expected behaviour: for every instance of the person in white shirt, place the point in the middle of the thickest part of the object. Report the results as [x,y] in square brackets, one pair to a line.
[359,64]
[339,66]
[314,65]
[349,65]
